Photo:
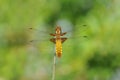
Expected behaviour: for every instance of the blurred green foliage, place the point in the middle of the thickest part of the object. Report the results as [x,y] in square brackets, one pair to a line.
[93,58]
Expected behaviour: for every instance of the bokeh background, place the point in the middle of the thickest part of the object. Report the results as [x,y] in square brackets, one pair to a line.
[96,57]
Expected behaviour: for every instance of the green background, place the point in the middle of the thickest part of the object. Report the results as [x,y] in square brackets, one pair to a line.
[96,57]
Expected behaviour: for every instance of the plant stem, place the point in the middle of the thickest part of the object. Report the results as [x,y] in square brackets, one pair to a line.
[54,67]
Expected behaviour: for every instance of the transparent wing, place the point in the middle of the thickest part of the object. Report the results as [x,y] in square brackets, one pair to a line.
[40,38]
[43,34]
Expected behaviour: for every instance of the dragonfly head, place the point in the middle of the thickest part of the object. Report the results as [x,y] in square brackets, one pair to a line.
[58,29]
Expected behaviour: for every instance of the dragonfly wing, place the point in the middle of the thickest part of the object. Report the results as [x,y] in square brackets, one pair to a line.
[53,40]
[63,39]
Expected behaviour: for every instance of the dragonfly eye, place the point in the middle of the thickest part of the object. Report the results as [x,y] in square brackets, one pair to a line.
[58,29]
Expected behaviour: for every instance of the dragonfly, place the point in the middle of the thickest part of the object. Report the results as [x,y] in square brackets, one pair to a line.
[58,39]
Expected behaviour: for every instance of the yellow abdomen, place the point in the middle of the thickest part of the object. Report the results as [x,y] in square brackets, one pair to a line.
[58,48]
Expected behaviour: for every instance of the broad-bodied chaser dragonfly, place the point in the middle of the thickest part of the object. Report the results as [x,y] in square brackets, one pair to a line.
[58,39]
